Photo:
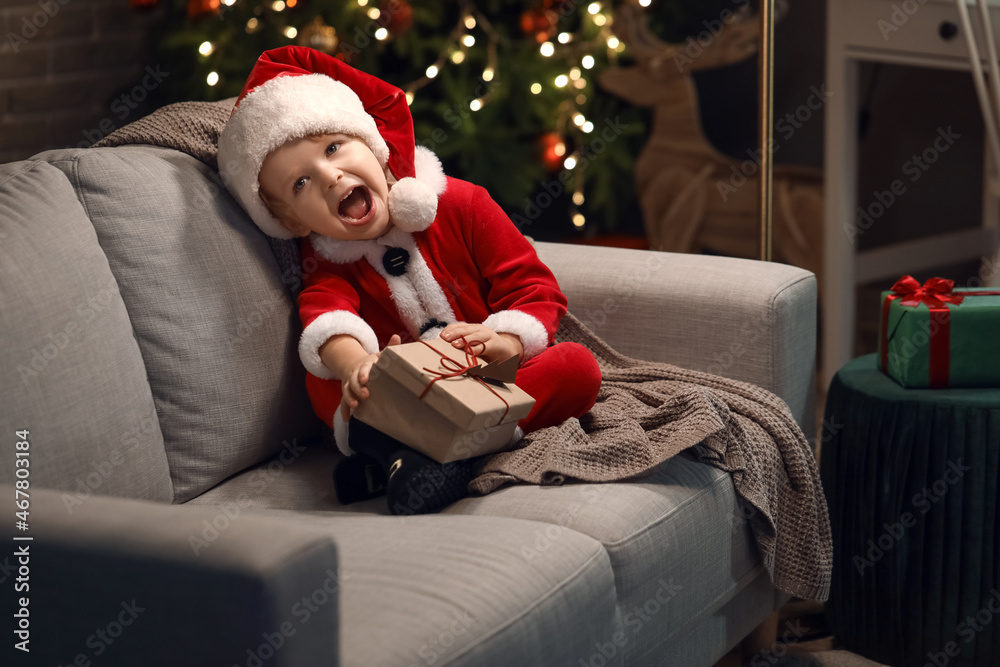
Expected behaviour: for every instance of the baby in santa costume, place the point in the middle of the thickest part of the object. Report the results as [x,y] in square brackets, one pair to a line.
[396,251]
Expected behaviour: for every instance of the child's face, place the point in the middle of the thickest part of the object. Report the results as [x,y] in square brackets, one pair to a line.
[330,184]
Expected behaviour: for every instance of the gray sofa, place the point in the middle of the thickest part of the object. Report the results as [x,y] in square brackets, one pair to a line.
[181,505]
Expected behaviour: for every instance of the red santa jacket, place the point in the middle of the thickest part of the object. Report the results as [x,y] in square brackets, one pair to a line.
[470,265]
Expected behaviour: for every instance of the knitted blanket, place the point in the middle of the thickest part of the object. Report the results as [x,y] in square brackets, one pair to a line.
[645,414]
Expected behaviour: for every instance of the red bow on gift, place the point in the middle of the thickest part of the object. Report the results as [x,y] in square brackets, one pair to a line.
[455,368]
[936,292]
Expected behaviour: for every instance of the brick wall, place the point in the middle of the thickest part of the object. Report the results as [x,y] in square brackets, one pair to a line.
[71,71]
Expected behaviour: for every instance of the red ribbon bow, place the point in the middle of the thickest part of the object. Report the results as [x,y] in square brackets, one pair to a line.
[936,292]
[455,369]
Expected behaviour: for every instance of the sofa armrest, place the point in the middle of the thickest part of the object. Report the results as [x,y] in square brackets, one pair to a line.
[744,319]
[129,582]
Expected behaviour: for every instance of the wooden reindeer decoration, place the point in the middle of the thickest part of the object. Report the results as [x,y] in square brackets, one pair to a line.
[693,197]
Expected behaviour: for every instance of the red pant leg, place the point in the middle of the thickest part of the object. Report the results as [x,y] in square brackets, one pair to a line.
[563,380]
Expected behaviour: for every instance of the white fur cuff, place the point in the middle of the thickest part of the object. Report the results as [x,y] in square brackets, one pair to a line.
[341,432]
[325,327]
[532,333]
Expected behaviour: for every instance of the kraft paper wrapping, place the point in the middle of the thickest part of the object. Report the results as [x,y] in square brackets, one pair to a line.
[457,419]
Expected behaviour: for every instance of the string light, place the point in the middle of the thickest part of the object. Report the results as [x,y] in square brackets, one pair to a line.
[212,78]
[278,6]
[206,48]
[455,51]
[460,38]
[291,32]
[644,3]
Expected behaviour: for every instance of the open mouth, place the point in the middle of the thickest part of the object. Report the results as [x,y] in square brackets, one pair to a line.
[356,207]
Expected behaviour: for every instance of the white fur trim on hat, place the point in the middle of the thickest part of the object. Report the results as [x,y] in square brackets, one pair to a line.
[322,329]
[532,332]
[285,108]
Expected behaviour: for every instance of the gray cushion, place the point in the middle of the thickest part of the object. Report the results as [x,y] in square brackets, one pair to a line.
[680,525]
[297,478]
[216,325]
[686,509]
[73,375]
[457,591]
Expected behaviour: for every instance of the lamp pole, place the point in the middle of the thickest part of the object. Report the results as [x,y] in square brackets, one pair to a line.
[765,92]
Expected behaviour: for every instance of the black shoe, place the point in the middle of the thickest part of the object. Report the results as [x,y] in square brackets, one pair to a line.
[420,485]
[358,477]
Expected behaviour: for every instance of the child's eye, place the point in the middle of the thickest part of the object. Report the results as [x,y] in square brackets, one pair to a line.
[332,148]
[299,184]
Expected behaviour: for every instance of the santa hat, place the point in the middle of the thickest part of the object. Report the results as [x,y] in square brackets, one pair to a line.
[295,91]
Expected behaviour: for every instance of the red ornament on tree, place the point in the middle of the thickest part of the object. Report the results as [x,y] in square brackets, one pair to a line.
[553,150]
[198,8]
[540,23]
[396,16]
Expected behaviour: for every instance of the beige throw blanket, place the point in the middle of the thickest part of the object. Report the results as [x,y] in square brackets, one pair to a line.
[645,414]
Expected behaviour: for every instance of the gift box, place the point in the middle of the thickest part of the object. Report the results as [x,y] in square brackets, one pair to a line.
[933,335]
[434,398]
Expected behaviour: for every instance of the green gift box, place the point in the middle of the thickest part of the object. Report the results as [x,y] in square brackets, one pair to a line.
[933,335]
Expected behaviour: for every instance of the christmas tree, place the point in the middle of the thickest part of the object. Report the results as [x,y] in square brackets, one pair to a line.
[504,91]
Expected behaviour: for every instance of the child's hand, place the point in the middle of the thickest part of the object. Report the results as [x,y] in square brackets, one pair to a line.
[498,346]
[354,384]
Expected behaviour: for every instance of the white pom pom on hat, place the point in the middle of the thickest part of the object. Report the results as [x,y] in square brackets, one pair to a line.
[295,91]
